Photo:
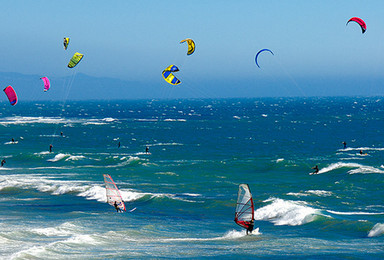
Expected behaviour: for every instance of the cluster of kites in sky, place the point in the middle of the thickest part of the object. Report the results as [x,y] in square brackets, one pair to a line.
[167,73]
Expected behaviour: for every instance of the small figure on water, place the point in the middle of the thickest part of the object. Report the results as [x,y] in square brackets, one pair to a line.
[117,207]
[316,168]
[13,140]
[61,133]
[250,227]
[118,145]
[361,151]
[146,149]
[50,148]
[345,145]
[2,162]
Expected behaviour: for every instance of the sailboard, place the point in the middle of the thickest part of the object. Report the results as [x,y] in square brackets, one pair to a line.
[113,193]
[245,210]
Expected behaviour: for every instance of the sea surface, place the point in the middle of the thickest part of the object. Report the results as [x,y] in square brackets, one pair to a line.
[53,205]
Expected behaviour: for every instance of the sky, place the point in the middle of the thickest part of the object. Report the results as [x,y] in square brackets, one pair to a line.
[315,53]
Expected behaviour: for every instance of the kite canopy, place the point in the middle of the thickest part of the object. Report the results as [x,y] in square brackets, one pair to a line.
[113,194]
[360,21]
[245,214]
[66,43]
[47,84]
[11,94]
[75,60]
[257,55]
[169,77]
[191,45]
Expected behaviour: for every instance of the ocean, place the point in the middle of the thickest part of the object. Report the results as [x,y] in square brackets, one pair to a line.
[53,205]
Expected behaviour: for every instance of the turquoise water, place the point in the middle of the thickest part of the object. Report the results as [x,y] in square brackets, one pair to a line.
[53,205]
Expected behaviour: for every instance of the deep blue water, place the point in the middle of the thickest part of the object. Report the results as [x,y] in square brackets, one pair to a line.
[53,205]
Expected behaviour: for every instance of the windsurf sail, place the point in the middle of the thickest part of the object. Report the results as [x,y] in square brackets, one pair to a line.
[113,193]
[47,84]
[11,94]
[245,210]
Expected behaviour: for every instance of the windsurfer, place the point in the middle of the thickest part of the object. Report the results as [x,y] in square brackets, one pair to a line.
[117,207]
[250,226]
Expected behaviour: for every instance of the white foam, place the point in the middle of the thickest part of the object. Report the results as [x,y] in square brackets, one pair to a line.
[10,142]
[167,173]
[286,212]
[377,230]
[355,213]
[361,148]
[58,157]
[75,158]
[359,168]
[320,193]
[279,160]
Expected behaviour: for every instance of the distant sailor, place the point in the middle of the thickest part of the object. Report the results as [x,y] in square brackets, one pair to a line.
[2,162]
[147,149]
[316,168]
[50,148]
[250,226]
[118,145]
[345,145]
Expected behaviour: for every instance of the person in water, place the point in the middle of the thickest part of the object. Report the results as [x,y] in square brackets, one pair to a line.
[146,149]
[61,133]
[50,148]
[316,168]
[13,140]
[345,145]
[117,207]
[250,226]
[118,145]
[2,162]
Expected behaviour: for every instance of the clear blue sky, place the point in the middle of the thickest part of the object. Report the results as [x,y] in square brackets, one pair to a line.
[315,52]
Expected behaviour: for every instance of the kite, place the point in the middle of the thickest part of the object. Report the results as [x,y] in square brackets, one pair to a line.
[66,43]
[169,77]
[75,60]
[47,84]
[257,55]
[360,22]
[191,46]
[11,94]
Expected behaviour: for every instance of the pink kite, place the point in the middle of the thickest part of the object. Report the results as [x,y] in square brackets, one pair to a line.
[11,94]
[360,22]
[47,84]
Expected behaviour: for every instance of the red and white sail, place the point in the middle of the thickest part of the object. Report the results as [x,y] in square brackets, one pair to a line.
[245,210]
[113,193]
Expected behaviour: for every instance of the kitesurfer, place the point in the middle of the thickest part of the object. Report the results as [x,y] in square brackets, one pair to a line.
[2,162]
[146,149]
[117,207]
[250,226]
[345,145]
[316,168]
[13,140]
[50,148]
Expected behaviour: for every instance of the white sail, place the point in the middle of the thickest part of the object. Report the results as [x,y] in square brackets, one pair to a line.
[113,194]
[244,207]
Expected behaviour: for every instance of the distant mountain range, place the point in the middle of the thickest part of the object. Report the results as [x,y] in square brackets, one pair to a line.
[79,87]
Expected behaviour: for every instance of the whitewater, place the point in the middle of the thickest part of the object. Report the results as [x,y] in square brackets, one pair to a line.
[183,191]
